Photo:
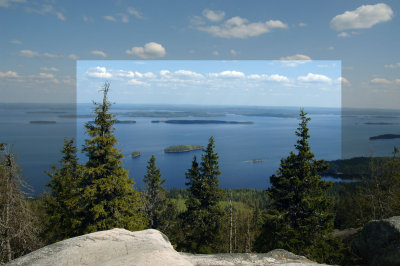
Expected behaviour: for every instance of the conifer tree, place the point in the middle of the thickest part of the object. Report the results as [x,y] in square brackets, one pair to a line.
[300,218]
[109,197]
[155,196]
[18,232]
[204,219]
[63,204]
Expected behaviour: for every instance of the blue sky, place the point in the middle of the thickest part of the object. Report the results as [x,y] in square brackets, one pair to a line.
[42,40]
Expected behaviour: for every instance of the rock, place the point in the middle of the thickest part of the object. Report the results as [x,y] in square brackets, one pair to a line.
[112,247]
[147,247]
[274,257]
[379,242]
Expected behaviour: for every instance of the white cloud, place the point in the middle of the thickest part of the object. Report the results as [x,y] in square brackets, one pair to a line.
[363,17]
[296,57]
[73,57]
[149,75]
[213,16]
[16,42]
[49,69]
[331,48]
[238,27]
[302,24]
[380,81]
[126,74]
[188,74]
[233,52]
[294,60]
[46,75]
[314,78]
[9,74]
[45,9]
[165,73]
[396,65]
[134,12]
[343,35]
[110,18]
[344,81]
[216,53]
[30,53]
[137,82]
[273,77]
[60,16]
[51,55]
[228,74]
[278,78]
[99,53]
[150,50]
[98,72]
[197,20]
[7,3]
[124,18]
[87,19]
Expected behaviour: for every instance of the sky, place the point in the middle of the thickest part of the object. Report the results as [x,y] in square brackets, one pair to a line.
[302,83]
[42,41]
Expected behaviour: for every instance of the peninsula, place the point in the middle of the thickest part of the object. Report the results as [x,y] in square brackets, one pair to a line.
[182,148]
[186,122]
[385,136]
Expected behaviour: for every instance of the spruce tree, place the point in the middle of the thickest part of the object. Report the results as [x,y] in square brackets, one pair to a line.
[155,200]
[63,204]
[18,231]
[109,197]
[203,221]
[300,218]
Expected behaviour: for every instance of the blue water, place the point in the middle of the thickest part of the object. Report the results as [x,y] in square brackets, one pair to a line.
[270,138]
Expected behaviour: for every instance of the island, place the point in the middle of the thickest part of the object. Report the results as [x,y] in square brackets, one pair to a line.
[385,136]
[380,123]
[42,122]
[255,161]
[136,154]
[182,148]
[125,122]
[186,122]
[75,116]
[166,114]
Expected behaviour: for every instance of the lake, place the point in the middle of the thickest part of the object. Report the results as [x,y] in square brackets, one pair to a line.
[270,137]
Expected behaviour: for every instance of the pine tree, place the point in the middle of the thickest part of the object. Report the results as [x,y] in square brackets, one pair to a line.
[109,197]
[155,196]
[63,204]
[18,232]
[203,221]
[300,218]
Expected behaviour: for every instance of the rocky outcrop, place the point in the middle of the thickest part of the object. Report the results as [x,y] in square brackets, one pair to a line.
[379,242]
[274,257]
[148,247]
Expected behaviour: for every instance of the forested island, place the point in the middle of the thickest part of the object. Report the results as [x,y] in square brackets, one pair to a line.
[136,154]
[203,122]
[171,114]
[182,148]
[125,122]
[380,123]
[258,160]
[42,122]
[385,136]
[75,116]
